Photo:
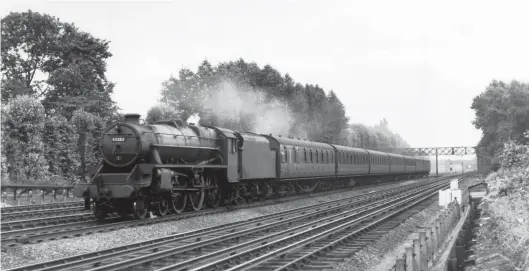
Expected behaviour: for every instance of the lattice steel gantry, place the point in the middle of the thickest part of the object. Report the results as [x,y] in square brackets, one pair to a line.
[434,151]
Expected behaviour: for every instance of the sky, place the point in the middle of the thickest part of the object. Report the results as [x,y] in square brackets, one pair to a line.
[418,64]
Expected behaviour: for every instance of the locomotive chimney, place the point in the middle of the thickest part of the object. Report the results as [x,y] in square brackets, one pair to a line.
[132,118]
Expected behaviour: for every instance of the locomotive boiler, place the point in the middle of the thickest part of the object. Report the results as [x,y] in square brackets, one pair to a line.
[152,167]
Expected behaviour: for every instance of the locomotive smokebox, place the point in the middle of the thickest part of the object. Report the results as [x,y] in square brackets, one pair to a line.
[132,118]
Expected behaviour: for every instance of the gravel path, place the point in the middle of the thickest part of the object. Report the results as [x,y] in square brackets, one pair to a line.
[46,251]
[381,254]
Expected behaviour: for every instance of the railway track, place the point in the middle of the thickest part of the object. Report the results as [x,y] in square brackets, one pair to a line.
[30,231]
[238,243]
[42,213]
[42,207]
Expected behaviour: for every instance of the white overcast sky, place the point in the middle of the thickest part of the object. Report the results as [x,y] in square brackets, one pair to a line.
[416,63]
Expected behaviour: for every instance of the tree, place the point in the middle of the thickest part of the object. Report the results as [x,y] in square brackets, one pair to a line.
[56,62]
[238,95]
[502,113]
[60,147]
[23,149]
[161,112]
[88,130]
[335,120]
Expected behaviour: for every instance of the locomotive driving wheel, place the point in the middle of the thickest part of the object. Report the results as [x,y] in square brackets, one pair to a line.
[99,210]
[178,201]
[140,208]
[213,198]
[197,198]
[163,205]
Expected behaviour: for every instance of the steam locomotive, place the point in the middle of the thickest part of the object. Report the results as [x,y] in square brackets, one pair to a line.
[163,167]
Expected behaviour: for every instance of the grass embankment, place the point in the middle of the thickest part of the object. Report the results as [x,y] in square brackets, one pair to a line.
[503,235]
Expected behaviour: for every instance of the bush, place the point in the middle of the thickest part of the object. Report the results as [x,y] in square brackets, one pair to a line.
[22,145]
[509,209]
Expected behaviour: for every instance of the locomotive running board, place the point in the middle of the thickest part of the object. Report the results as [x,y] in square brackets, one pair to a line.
[185,147]
[193,166]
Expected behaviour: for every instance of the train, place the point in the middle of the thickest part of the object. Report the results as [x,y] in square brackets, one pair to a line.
[171,165]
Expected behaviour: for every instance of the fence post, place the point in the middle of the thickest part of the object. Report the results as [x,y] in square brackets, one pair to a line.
[409,259]
[443,228]
[424,250]
[400,264]
[438,236]
[417,254]
[429,245]
[30,197]
[15,199]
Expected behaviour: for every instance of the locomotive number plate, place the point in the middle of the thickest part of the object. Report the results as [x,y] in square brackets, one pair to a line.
[118,139]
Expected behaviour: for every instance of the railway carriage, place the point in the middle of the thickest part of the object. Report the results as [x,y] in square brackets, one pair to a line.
[419,164]
[351,161]
[163,166]
[302,159]
[396,163]
[379,163]
[409,165]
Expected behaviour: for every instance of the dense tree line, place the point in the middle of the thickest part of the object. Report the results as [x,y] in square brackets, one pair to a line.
[55,99]
[502,114]
[309,111]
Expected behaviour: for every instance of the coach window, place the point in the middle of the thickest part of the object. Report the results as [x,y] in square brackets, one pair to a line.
[283,156]
[304,155]
[317,157]
[322,160]
[295,155]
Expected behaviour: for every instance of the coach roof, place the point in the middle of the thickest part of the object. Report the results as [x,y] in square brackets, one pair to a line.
[300,143]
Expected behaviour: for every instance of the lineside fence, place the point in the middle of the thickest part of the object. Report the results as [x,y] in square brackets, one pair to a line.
[15,195]
[441,246]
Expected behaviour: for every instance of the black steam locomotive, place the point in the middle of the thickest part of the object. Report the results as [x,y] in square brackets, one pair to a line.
[163,167]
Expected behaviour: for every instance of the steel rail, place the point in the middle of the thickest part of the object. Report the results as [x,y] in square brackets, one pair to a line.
[60,231]
[41,213]
[180,250]
[12,209]
[237,253]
